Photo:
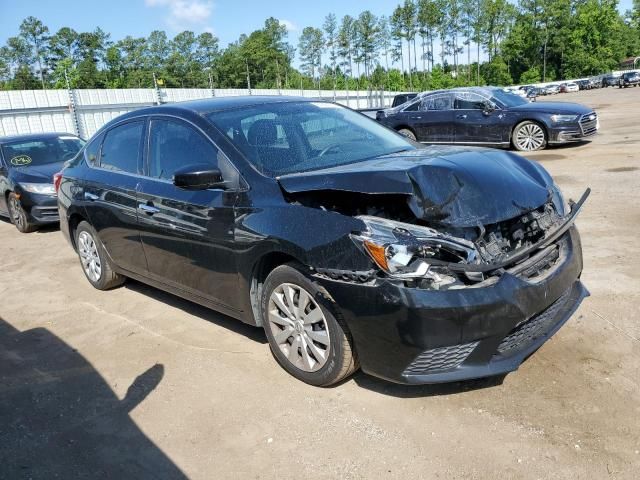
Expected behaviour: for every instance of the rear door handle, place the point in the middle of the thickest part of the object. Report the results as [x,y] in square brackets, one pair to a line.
[90,196]
[148,209]
[461,116]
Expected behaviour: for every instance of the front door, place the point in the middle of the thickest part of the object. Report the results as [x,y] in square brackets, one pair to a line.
[187,235]
[475,123]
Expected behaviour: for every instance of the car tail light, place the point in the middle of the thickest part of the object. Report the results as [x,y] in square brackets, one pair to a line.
[57,180]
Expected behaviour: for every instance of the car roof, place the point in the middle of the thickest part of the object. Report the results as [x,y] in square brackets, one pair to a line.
[210,105]
[481,90]
[36,136]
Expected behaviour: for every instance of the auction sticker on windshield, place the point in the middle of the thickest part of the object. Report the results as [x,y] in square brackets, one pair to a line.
[20,160]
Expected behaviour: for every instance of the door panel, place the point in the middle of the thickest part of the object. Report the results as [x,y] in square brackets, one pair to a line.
[109,193]
[474,125]
[110,201]
[435,119]
[187,236]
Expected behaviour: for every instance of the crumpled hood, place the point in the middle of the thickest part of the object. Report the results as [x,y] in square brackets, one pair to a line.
[451,186]
[37,173]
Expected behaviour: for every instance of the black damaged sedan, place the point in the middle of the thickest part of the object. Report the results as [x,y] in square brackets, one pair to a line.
[27,166]
[351,246]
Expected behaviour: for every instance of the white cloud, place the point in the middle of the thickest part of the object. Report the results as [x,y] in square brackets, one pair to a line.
[289,25]
[185,14]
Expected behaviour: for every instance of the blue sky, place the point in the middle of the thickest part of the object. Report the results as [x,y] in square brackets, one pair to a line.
[227,19]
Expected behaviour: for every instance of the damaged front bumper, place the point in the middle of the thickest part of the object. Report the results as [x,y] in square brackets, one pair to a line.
[411,335]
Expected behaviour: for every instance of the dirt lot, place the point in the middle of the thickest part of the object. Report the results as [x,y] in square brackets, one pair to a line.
[137,383]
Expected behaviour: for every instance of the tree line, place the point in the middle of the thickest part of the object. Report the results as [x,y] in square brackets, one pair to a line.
[421,44]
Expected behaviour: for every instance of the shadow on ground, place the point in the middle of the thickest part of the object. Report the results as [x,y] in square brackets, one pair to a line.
[253,333]
[421,391]
[60,419]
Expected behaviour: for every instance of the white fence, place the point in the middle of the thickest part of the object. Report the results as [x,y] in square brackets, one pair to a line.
[83,112]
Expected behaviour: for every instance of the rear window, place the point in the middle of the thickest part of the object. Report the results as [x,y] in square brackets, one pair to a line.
[41,151]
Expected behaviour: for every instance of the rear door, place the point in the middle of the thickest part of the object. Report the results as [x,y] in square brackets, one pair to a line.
[473,124]
[109,192]
[4,184]
[434,120]
[188,235]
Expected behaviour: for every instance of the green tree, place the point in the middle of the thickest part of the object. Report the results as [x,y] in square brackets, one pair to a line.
[310,50]
[35,33]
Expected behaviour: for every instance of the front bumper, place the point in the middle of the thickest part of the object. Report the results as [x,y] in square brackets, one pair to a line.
[415,336]
[42,209]
[574,132]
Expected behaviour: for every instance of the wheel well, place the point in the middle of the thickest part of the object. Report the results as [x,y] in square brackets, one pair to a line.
[405,127]
[540,124]
[261,271]
[74,220]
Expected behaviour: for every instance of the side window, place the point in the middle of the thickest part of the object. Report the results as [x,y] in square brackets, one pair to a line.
[92,150]
[437,102]
[121,148]
[469,101]
[414,107]
[174,145]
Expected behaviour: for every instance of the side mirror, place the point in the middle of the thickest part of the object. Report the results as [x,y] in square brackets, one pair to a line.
[489,108]
[199,177]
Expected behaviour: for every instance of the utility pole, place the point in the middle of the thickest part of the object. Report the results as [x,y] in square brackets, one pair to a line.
[248,78]
[213,92]
[72,105]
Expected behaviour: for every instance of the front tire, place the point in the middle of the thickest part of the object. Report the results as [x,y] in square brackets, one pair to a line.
[405,132]
[306,333]
[18,215]
[528,137]
[94,260]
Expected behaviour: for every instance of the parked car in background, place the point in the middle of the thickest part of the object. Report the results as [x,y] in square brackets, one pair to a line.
[583,84]
[570,87]
[490,116]
[629,79]
[552,89]
[595,83]
[610,80]
[27,165]
[402,98]
[339,237]
[516,91]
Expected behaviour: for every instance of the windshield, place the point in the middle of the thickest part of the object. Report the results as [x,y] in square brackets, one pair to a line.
[291,137]
[41,151]
[508,99]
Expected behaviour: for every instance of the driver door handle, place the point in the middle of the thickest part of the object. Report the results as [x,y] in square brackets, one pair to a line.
[148,209]
[462,116]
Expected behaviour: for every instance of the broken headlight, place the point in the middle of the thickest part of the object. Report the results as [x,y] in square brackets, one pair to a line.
[559,203]
[403,250]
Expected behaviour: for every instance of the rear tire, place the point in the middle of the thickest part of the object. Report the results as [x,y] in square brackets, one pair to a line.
[305,330]
[405,132]
[94,259]
[18,216]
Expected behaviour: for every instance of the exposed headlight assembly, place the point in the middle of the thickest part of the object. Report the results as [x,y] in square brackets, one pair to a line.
[564,118]
[40,188]
[403,250]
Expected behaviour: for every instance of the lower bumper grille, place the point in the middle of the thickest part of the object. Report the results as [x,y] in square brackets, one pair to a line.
[439,359]
[527,332]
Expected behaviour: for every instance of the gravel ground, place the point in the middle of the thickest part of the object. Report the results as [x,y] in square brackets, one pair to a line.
[136,383]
